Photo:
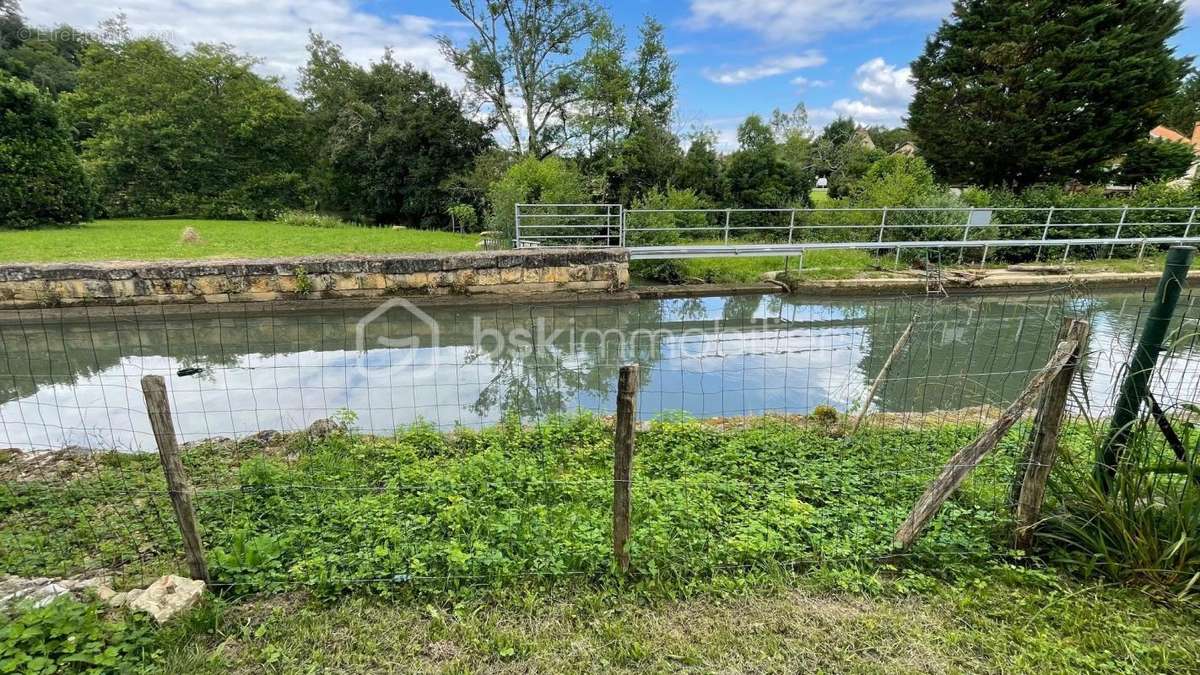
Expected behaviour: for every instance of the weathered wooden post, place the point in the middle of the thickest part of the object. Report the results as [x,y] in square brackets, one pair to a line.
[1030,486]
[965,460]
[154,388]
[627,386]
[1145,358]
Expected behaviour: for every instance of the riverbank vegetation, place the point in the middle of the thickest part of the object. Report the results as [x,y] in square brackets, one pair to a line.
[482,549]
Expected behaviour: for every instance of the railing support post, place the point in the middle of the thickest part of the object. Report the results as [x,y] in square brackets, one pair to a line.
[1045,232]
[1141,367]
[516,226]
[728,213]
[1120,226]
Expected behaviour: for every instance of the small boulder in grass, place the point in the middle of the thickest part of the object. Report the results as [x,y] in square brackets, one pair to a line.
[190,236]
[166,598]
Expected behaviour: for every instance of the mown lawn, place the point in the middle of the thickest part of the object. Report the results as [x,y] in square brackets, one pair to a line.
[160,240]
[1007,620]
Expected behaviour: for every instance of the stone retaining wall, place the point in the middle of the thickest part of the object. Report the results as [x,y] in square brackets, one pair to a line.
[220,281]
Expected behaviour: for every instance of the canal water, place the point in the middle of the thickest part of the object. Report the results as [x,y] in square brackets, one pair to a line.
[76,382]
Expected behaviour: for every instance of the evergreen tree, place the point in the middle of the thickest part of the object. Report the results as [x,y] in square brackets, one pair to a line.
[1151,161]
[1017,92]
[41,179]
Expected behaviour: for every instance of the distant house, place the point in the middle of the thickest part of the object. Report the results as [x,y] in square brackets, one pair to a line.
[908,149]
[822,183]
[1168,134]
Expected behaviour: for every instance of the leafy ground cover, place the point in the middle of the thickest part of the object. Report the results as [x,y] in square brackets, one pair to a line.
[161,240]
[426,513]
[755,546]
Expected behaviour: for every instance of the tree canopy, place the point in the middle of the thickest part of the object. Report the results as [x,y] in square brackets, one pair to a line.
[522,64]
[41,179]
[389,137]
[1151,161]
[1017,92]
[198,133]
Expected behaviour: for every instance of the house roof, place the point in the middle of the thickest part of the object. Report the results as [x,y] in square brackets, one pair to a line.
[1168,134]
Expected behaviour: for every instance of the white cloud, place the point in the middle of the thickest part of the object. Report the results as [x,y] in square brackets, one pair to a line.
[805,83]
[275,31]
[803,20]
[886,91]
[767,68]
[880,81]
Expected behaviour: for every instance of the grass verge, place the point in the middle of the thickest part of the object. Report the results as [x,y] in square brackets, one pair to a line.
[160,240]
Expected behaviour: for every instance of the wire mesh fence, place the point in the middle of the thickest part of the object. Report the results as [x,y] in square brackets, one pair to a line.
[432,448]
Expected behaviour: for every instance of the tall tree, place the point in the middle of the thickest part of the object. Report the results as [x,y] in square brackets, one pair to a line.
[41,179]
[758,178]
[195,133]
[390,136]
[522,63]
[616,96]
[1017,92]
[49,58]
[700,170]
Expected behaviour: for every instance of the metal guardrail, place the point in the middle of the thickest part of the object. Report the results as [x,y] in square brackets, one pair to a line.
[652,234]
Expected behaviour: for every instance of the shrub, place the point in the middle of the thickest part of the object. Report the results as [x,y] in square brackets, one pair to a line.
[67,636]
[41,180]
[1144,530]
[306,219]
[533,181]
[664,229]
[463,218]
[900,181]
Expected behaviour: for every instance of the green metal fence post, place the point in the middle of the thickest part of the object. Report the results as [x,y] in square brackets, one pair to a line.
[1141,367]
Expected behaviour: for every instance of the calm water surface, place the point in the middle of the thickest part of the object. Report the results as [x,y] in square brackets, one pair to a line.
[77,382]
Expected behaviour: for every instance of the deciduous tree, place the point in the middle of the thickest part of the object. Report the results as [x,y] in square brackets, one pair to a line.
[522,64]
[389,136]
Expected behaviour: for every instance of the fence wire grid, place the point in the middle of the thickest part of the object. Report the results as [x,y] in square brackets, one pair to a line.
[459,446]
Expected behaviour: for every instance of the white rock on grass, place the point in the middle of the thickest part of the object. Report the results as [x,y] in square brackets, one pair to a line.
[167,597]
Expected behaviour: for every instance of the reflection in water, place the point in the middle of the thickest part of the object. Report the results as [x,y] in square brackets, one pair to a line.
[77,382]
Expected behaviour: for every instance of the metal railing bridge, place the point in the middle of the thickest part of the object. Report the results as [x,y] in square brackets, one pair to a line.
[659,234]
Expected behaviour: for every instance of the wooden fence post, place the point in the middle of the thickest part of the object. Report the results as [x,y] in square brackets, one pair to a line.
[1044,448]
[154,388]
[627,386]
[965,460]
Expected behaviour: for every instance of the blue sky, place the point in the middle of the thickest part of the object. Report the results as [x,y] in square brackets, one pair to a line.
[736,57]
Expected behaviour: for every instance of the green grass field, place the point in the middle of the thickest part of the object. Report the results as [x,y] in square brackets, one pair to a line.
[488,551]
[160,240]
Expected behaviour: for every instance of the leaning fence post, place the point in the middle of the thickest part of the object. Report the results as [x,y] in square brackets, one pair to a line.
[154,388]
[1141,366]
[965,460]
[627,385]
[1031,479]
